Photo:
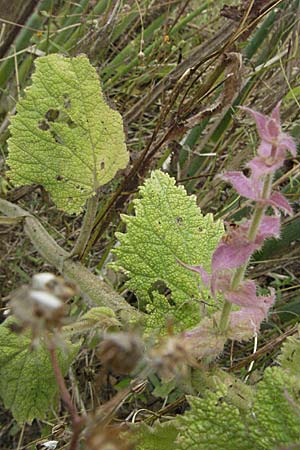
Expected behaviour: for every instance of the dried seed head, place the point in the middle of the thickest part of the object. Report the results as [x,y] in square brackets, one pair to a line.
[40,306]
[55,285]
[42,280]
[120,352]
[38,309]
[172,358]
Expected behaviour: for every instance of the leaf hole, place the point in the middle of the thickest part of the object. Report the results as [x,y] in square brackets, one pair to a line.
[52,115]
[43,125]
[59,178]
[70,123]
[67,101]
[56,137]
[102,165]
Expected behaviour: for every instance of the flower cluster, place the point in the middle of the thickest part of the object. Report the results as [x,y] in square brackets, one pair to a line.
[231,256]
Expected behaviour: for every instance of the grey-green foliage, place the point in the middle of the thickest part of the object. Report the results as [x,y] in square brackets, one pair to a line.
[228,416]
[64,135]
[27,383]
[168,226]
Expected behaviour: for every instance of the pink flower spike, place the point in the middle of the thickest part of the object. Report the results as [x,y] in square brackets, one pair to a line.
[243,185]
[260,166]
[235,249]
[269,130]
[277,200]
[275,114]
[244,295]
[269,227]
[287,142]
[232,253]
[260,120]
[250,319]
[198,269]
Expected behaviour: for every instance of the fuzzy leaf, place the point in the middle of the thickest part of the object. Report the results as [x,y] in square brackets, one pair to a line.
[290,356]
[219,420]
[232,415]
[168,226]
[99,317]
[212,424]
[276,411]
[161,311]
[64,136]
[27,384]
[159,437]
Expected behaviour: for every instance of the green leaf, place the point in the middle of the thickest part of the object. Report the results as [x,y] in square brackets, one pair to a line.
[232,415]
[168,226]
[290,356]
[220,420]
[99,317]
[276,410]
[212,424]
[27,384]
[64,136]
[159,437]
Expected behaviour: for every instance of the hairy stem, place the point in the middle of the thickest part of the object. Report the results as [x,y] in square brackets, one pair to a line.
[77,421]
[96,291]
[240,271]
[87,226]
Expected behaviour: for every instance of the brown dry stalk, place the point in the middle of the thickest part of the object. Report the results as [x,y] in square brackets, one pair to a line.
[263,350]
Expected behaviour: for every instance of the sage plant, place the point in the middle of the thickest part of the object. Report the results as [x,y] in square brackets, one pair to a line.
[233,252]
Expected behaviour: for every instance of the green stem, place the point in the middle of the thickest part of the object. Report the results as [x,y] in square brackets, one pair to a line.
[240,271]
[96,291]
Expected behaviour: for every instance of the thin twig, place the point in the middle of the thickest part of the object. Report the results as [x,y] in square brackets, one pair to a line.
[87,226]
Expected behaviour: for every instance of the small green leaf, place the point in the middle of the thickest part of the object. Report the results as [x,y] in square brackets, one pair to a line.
[64,136]
[27,384]
[168,226]
[99,317]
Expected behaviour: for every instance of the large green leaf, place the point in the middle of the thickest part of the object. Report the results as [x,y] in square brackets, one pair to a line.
[168,226]
[64,136]
[27,384]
